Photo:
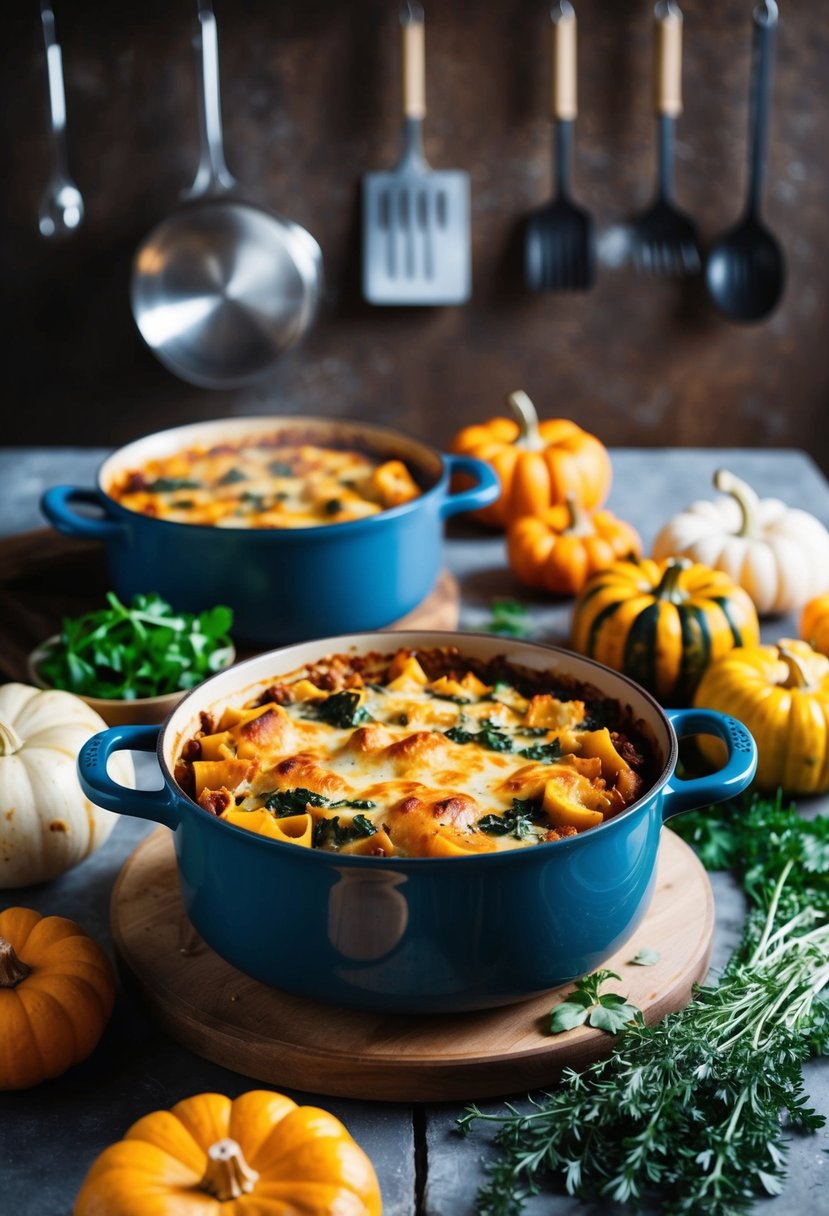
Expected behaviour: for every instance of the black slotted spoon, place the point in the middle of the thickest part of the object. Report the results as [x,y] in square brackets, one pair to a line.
[665,239]
[559,242]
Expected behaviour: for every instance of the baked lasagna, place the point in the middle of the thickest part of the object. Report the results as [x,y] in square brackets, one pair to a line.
[265,482]
[418,754]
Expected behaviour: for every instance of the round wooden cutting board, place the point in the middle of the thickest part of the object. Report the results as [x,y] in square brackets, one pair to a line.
[240,1023]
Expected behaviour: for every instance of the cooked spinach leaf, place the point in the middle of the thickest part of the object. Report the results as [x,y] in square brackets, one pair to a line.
[519,821]
[339,709]
[548,752]
[331,831]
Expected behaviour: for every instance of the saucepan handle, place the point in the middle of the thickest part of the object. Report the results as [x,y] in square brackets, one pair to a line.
[727,782]
[485,490]
[96,783]
[57,505]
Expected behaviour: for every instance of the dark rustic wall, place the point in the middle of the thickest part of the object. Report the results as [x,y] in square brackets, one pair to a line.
[311,102]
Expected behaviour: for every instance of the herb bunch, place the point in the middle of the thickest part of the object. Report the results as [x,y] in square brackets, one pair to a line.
[687,1113]
[144,649]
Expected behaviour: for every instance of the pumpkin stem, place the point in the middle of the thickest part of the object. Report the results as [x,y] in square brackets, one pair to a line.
[798,676]
[10,741]
[746,499]
[579,522]
[669,588]
[228,1175]
[12,969]
[524,413]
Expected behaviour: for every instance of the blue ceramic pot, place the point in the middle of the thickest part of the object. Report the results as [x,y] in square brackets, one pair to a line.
[417,934]
[283,584]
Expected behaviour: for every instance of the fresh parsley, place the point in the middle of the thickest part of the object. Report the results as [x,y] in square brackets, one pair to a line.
[687,1115]
[143,649]
[509,618]
[606,1011]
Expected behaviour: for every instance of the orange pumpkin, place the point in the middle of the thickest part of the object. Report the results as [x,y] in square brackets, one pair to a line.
[559,549]
[538,463]
[56,995]
[814,623]
[259,1153]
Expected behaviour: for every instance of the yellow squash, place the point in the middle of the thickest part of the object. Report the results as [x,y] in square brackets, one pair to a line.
[662,623]
[781,693]
[56,995]
[538,463]
[257,1155]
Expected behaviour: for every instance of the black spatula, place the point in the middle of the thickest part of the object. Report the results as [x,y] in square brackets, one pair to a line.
[559,244]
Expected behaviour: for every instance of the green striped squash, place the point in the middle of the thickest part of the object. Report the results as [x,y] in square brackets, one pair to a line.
[662,623]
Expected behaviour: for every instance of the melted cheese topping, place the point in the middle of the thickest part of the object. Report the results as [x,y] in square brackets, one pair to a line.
[412,767]
[259,484]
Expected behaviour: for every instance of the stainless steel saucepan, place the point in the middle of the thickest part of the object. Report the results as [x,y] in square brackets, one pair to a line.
[221,288]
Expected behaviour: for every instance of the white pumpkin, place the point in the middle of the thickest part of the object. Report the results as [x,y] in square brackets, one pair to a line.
[778,554]
[47,825]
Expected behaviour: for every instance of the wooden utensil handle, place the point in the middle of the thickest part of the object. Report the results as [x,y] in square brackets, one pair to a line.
[667,52]
[414,61]
[565,97]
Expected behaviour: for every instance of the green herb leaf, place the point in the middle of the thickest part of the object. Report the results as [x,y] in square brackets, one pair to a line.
[292,802]
[145,649]
[645,957]
[339,709]
[509,618]
[546,752]
[519,821]
[567,1016]
[331,830]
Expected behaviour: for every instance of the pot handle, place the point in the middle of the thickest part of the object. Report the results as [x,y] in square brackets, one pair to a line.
[485,490]
[55,505]
[96,783]
[727,782]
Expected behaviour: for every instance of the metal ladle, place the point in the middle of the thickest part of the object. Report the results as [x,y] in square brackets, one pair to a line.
[61,205]
[221,288]
[746,268]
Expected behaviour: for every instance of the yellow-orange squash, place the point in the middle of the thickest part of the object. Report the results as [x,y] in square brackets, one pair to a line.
[538,463]
[558,550]
[662,623]
[257,1155]
[781,693]
[814,623]
[56,995]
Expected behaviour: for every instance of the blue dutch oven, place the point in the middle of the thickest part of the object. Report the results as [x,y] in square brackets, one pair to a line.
[417,934]
[283,584]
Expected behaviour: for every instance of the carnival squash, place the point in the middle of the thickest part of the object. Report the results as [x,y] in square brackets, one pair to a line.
[559,549]
[258,1154]
[56,995]
[778,554]
[538,463]
[662,623]
[781,693]
[47,824]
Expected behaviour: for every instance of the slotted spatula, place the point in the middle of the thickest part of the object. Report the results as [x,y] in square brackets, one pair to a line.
[416,242]
[559,244]
[665,239]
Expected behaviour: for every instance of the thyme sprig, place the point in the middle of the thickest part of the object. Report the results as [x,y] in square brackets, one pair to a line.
[690,1113]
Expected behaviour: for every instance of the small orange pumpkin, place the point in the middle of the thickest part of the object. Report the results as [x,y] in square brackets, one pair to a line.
[538,463]
[56,995]
[559,549]
[258,1153]
[814,623]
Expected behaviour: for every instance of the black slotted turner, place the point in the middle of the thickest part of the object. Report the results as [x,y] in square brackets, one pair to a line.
[559,241]
[416,229]
[665,239]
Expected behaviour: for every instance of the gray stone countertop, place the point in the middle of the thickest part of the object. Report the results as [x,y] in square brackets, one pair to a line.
[50,1135]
